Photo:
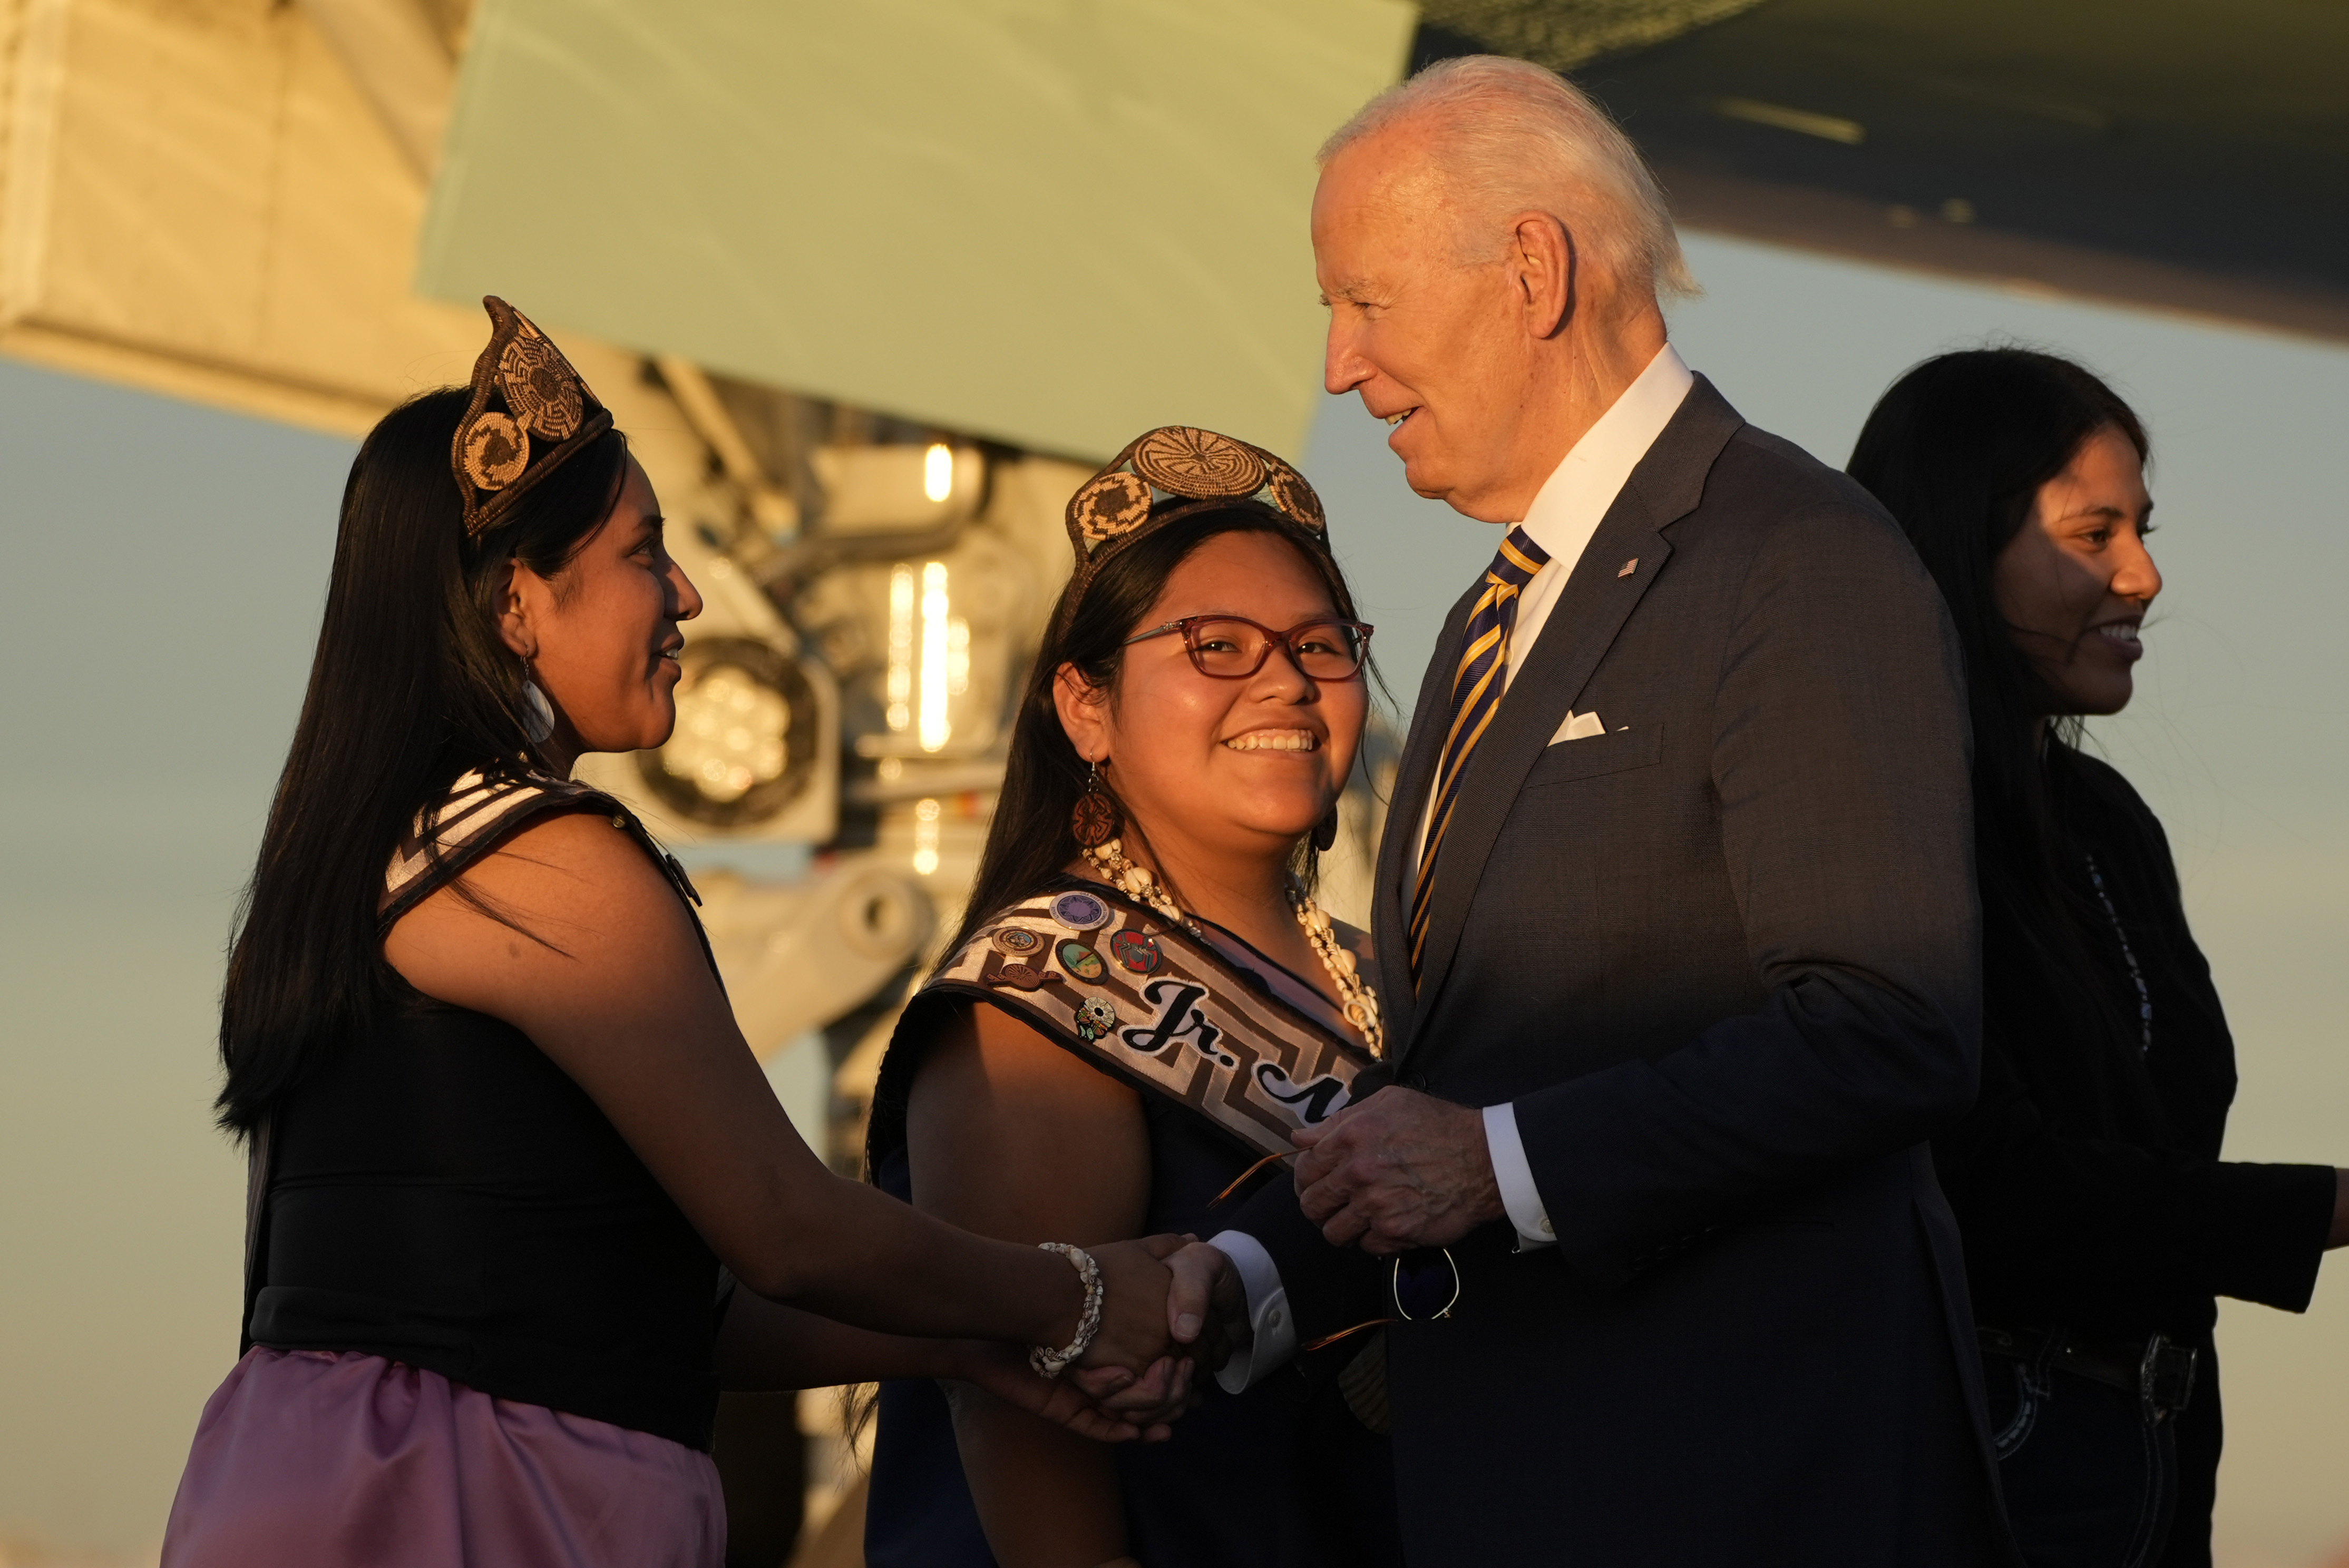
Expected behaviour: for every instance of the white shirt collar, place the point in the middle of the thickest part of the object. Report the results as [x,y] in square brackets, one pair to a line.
[1571,502]
[1567,510]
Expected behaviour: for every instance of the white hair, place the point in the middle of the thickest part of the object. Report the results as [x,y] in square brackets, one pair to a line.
[1510,137]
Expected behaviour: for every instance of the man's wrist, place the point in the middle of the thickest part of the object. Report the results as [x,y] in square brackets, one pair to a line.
[1513,1180]
[1272,1332]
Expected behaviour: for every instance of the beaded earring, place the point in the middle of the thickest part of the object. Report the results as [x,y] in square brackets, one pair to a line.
[1096,820]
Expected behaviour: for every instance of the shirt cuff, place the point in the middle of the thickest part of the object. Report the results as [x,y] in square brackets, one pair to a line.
[1274,1330]
[1515,1177]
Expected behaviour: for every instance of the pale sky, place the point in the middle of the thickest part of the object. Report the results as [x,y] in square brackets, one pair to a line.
[170,561]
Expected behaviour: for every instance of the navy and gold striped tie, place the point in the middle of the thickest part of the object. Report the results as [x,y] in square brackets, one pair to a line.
[1477,687]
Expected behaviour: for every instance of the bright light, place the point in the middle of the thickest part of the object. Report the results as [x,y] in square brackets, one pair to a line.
[729,736]
[901,647]
[934,729]
[957,656]
[937,472]
[925,838]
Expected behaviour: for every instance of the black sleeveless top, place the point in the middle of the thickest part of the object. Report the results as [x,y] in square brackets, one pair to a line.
[441,1194]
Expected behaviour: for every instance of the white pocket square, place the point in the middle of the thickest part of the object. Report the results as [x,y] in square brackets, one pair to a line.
[1578,726]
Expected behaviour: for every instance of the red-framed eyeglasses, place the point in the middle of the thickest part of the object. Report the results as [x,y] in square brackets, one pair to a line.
[1233,647]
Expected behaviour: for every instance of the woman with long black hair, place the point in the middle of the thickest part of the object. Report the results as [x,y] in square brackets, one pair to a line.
[1143,1002]
[2099,1221]
[507,1142]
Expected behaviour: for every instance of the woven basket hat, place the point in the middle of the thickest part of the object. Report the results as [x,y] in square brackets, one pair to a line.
[1172,472]
[529,413]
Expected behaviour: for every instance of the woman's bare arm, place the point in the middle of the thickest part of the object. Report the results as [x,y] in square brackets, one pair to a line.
[1011,1136]
[612,986]
[765,1346]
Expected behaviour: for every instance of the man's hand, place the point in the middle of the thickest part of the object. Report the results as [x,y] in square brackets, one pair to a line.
[1400,1170]
[1206,1308]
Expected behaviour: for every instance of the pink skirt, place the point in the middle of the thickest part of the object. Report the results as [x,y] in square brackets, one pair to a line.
[306,1458]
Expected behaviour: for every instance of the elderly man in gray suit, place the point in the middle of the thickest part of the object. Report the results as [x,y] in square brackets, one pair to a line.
[1675,919]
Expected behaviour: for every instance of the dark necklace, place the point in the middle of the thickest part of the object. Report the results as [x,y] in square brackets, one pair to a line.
[2128,956]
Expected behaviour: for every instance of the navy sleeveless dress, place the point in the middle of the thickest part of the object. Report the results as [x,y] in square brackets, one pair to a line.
[1281,1476]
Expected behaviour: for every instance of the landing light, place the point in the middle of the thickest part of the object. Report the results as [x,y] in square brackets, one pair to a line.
[745,743]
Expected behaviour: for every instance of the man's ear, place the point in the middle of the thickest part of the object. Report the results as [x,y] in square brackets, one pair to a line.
[510,591]
[1084,712]
[1543,257]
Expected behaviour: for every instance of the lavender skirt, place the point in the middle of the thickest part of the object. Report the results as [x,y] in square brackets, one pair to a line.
[306,1458]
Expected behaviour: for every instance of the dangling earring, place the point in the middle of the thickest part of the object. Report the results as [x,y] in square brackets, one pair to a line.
[1096,819]
[1325,831]
[537,713]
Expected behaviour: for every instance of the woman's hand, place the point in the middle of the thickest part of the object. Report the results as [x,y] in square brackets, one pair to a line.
[1142,1407]
[1152,1401]
[1134,1288]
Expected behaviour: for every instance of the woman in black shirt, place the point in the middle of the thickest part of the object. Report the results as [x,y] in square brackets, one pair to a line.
[504,1131]
[2099,1221]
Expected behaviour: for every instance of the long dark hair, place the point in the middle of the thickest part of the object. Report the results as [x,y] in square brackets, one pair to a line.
[1957,450]
[1029,842]
[410,687]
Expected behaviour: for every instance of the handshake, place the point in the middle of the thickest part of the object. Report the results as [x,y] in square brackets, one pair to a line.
[1173,1311]
[1402,1170]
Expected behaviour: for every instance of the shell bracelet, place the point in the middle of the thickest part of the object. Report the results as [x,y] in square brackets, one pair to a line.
[1050,1363]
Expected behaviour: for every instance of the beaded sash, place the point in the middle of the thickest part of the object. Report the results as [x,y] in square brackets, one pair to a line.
[1110,980]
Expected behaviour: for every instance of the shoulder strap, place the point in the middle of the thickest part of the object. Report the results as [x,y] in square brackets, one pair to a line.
[479,812]
[468,823]
[1151,1004]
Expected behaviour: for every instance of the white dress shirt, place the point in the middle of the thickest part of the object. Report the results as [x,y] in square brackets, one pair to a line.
[1565,513]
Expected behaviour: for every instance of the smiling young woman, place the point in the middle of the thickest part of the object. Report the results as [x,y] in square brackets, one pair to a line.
[2099,1223]
[1142,1002]
[510,1153]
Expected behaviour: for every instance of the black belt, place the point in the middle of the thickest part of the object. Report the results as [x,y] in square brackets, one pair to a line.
[2157,1370]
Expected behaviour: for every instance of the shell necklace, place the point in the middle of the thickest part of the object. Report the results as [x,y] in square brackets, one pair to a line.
[1356,999]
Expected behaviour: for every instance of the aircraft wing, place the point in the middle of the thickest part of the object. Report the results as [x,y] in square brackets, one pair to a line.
[2171,154]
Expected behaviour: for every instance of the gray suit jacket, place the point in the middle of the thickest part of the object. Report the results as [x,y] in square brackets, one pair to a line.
[1722,958]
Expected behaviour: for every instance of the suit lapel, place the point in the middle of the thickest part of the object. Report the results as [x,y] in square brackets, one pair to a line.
[1583,623]
[1415,772]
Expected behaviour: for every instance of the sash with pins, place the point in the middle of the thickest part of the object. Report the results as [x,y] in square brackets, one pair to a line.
[1112,981]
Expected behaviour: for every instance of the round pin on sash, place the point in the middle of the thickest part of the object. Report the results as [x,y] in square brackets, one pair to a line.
[1081,961]
[1080,911]
[1136,950]
[1017,941]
